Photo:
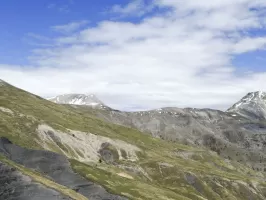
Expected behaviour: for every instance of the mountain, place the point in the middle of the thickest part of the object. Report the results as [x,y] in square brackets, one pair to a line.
[82,153]
[231,134]
[79,99]
[252,106]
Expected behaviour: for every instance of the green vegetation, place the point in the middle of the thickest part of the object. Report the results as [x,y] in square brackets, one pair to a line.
[164,170]
[30,110]
[133,189]
[168,182]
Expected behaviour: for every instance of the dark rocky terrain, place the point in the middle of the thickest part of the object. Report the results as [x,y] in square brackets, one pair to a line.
[56,167]
[16,186]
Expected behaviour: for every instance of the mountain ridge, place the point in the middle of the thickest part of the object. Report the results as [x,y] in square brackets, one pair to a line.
[222,132]
[80,99]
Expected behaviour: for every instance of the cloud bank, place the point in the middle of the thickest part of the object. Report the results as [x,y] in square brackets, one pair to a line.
[180,55]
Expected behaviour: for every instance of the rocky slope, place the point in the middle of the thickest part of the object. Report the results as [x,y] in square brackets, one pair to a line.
[56,167]
[238,134]
[15,185]
[77,154]
[230,135]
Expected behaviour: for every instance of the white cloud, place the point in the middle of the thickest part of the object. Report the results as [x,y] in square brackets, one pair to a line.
[182,57]
[250,44]
[70,27]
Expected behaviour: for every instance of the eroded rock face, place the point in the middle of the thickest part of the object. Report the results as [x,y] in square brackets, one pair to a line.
[109,153]
[57,167]
[16,186]
[82,146]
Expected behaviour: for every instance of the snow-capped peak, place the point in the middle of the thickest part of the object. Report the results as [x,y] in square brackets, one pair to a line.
[77,99]
[253,105]
[254,96]
[250,97]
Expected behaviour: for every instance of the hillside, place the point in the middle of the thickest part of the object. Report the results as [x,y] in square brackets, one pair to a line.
[75,154]
[230,134]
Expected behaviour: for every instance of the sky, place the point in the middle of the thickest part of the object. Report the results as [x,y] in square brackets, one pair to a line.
[139,54]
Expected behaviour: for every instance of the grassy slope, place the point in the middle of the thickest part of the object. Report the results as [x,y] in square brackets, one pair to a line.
[215,179]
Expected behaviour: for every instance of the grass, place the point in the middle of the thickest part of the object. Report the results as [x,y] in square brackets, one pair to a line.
[170,181]
[59,117]
[167,183]
[133,189]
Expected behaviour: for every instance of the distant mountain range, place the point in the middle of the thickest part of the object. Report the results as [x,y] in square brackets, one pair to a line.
[238,133]
[252,106]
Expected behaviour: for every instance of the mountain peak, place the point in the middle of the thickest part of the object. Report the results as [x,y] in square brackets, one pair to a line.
[78,99]
[255,95]
[253,105]
[251,97]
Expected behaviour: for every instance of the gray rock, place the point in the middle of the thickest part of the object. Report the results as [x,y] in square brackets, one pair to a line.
[109,153]
[192,180]
[16,186]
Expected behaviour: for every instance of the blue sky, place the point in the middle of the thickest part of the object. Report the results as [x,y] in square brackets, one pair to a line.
[136,54]
[252,61]
[18,19]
